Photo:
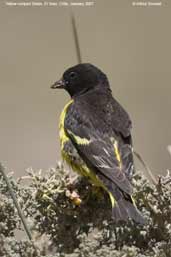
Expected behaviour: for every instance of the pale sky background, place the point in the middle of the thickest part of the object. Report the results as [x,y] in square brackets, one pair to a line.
[132,45]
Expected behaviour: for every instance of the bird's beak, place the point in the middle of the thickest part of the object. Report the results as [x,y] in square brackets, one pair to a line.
[58,84]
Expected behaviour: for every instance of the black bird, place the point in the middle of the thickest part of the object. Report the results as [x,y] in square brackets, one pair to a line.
[95,137]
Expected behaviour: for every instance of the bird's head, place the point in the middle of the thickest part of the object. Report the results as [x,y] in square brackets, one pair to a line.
[81,78]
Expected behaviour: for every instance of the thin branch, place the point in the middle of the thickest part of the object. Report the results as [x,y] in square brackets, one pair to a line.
[20,213]
[146,167]
[76,39]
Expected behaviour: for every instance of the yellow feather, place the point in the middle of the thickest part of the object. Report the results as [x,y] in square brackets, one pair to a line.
[112,199]
[118,157]
[80,140]
[62,135]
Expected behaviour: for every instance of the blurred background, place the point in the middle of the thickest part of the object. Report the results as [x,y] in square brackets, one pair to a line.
[130,44]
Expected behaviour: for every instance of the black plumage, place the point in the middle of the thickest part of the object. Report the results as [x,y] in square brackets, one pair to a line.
[97,131]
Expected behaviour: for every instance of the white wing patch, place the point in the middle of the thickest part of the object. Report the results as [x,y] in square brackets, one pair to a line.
[101,162]
[104,149]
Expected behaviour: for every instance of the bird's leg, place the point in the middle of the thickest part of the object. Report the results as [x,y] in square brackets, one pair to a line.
[71,193]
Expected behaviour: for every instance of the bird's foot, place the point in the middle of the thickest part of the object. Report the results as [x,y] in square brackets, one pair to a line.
[74,197]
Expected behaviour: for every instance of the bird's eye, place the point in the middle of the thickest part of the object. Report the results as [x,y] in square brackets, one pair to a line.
[73,75]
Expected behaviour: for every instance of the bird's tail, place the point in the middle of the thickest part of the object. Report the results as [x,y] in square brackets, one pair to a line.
[124,209]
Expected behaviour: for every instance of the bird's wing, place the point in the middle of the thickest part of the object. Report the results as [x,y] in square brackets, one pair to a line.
[98,151]
[121,121]
[122,125]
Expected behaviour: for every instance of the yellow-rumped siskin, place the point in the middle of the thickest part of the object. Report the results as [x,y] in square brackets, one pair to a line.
[95,137]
